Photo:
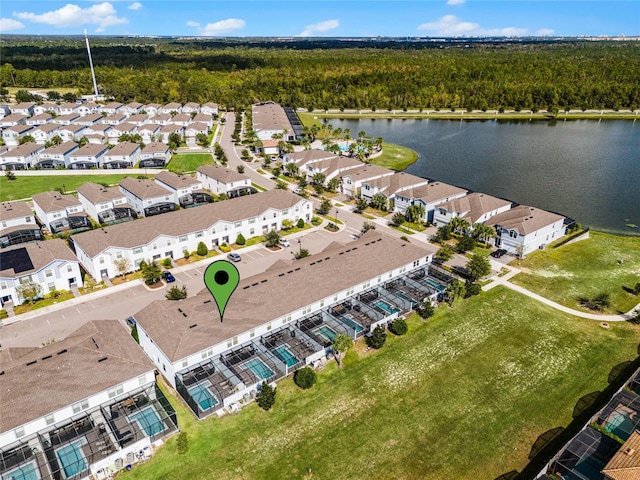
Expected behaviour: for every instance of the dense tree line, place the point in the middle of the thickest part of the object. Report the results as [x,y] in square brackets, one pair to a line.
[577,75]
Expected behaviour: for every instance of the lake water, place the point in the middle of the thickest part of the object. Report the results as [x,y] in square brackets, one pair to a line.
[587,170]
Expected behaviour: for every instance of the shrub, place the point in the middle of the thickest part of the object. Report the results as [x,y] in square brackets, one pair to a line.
[315,221]
[377,338]
[175,293]
[202,249]
[151,273]
[305,378]
[182,443]
[225,248]
[636,289]
[398,219]
[300,224]
[405,238]
[465,244]
[186,254]
[167,262]
[425,310]
[302,253]
[266,396]
[399,327]
[272,239]
[472,289]
[240,240]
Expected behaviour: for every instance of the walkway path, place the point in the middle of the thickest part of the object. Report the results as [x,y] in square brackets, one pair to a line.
[512,272]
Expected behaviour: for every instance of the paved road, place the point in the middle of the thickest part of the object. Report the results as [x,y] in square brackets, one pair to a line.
[57,321]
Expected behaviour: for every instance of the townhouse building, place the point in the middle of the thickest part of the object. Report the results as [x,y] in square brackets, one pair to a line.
[18,224]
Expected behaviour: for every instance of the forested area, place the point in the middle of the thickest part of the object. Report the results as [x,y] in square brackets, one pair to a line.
[563,75]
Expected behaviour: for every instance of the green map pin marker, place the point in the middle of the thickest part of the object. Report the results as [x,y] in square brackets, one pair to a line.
[221,279]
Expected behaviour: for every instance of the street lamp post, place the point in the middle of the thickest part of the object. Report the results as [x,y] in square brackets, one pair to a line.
[337,218]
[300,246]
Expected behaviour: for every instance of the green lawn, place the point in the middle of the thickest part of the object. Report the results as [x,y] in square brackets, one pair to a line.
[188,162]
[463,396]
[603,263]
[25,187]
[395,157]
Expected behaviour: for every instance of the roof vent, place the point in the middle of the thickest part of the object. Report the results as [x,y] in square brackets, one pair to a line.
[290,271]
[2,372]
[31,363]
[184,315]
[265,280]
[297,269]
[254,284]
[100,360]
[280,275]
[193,326]
[207,301]
[62,351]
[47,357]
[327,258]
[179,309]
[247,286]
[95,343]
[312,263]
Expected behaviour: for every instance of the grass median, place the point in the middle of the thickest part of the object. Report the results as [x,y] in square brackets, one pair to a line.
[463,396]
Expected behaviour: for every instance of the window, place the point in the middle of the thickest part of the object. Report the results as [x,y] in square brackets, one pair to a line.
[3,285]
[51,286]
[183,238]
[252,333]
[237,225]
[200,234]
[268,326]
[252,231]
[285,211]
[322,302]
[48,273]
[207,353]
[154,246]
[101,260]
[416,263]
[50,419]
[335,297]
[114,392]
[119,255]
[19,432]
[137,250]
[27,219]
[80,406]
[252,220]
[142,379]
[275,214]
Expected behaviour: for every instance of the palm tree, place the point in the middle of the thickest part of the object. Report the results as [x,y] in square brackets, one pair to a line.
[291,169]
[361,134]
[483,233]
[459,225]
[346,134]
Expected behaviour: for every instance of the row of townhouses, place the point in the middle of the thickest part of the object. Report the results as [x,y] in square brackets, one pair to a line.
[53,266]
[104,413]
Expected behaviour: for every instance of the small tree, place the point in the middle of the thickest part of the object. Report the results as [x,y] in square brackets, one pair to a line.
[9,175]
[361,205]
[465,244]
[333,184]
[398,219]
[445,253]
[415,213]
[471,289]
[272,239]
[443,234]
[426,310]
[202,249]
[379,201]
[636,289]
[287,224]
[240,240]
[29,291]
[240,168]
[305,378]
[151,273]
[167,262]
[266,396]
[366,226]
[123,265]
[341,343]
[478,267]
[399,327]
[325,206]
[455,289]
[302,253]
[300,223]
[175,293]
[377,338]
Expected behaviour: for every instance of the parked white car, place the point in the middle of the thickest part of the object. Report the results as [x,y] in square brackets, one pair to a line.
[284,242]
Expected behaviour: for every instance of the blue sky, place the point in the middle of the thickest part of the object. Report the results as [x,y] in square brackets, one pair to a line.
[335,18]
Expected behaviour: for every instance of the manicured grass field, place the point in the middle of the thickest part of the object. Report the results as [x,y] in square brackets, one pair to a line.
[603,263]
[463,396]
[188,162]
[25,187]
[395,157]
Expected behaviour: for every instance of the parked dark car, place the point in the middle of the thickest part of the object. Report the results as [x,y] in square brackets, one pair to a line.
[130,321]
[168,277]
[498,253]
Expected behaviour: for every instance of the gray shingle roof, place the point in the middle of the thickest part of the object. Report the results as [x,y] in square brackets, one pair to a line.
[41,254]
[54,201]
[270,295]
[11,210]
[67,371]
[182,222]
[222,174]
[524,219]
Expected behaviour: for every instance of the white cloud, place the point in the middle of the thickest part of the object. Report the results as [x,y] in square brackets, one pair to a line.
[320,27]
[218,28]
[135,6]
[103,15]
[545,31]
[455,2]
[451,26]
[8,24]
